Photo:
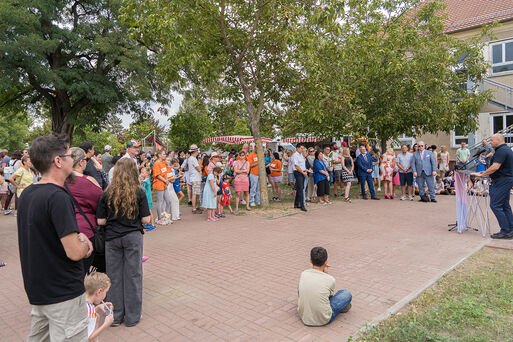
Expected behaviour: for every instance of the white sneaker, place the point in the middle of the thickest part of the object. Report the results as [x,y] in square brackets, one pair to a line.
[379,189]
[411,198]
[252,204]
[243,202]
[7,212]
[403,198]
[268,185]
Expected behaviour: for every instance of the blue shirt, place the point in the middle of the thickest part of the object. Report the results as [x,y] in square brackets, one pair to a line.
[146,185]
[504,156]
[480,167]
[405,161]
[318,166]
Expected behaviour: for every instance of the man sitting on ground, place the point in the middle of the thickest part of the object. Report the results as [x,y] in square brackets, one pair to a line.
[318,303]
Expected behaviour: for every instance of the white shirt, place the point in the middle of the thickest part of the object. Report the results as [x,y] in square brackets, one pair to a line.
[298,159]
[126,155]
[337,156]
[194,174]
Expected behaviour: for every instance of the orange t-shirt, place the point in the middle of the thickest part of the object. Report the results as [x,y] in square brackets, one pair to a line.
[276,164]
[159,169]
[252,159]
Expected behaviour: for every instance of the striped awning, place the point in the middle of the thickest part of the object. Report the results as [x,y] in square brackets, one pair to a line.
[234,139]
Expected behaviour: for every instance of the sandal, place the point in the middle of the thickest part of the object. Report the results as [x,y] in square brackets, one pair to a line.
[347,199]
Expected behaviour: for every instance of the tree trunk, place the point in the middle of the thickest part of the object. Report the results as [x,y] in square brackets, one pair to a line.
[262,175]
[383,145]
[59,120]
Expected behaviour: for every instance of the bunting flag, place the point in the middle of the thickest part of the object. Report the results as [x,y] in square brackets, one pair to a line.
[305,139]
[234,140]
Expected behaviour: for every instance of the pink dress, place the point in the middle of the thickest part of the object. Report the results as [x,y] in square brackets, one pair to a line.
[241,182]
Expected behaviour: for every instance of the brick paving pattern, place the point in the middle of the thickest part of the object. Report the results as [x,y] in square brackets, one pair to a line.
[236,280]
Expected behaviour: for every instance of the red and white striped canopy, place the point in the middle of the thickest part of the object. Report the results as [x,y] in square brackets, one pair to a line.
[305,139]
[234,139]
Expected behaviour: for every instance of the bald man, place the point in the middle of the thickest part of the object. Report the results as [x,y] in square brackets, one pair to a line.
[501,173]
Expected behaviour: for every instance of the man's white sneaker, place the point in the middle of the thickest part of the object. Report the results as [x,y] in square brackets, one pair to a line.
[411,198]
[403,198]
[379,189]
[7,212]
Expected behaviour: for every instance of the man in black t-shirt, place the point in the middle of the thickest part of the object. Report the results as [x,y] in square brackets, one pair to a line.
[501,173]
[51,247]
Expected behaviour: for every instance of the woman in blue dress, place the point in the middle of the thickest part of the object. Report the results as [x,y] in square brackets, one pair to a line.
[209,199]
[321,178]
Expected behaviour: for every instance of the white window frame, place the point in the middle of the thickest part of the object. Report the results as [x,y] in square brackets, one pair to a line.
[454,137]
[492,65]
[404,139]
[493,115]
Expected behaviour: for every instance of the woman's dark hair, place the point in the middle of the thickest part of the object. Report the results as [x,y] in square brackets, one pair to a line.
[206,161]
[276,155]
[97,153]
[16,155]
[318,255]
[317,153]
[115,160]
[44,149]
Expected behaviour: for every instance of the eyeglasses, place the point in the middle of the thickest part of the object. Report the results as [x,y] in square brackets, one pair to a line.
[65,155]
[421,145]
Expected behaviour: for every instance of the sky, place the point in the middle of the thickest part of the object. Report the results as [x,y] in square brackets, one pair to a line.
[164,120]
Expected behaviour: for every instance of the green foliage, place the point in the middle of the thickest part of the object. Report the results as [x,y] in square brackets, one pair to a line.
[13,131]
[99,139]
[385,69]
[76,58]
[37,130]
[190,125]
[140,129]
[474,303]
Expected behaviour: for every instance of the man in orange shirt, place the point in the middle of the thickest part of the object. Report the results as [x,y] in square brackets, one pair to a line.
[160,183]
[254,184]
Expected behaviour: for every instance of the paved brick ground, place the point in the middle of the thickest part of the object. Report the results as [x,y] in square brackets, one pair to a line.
[236,280]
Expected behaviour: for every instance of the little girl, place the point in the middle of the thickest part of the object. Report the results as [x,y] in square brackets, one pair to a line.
[146,185]
[176,184]
[227,194]
[209,198]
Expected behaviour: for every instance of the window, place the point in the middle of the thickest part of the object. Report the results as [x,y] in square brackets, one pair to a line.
[500,122]
[403,139]
[502,57]
[458,138]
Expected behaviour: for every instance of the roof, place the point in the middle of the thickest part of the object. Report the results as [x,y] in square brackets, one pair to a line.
[467,14]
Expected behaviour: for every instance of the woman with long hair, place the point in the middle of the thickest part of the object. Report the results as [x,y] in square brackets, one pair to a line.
[86,191]
[123,209]
[276,176]
[321,178]
[388,172]
[347,172]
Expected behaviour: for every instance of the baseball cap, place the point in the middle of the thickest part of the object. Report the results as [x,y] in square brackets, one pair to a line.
[107,148]
[132,144]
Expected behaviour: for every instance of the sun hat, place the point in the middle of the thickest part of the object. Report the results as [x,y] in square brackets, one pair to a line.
[193,148]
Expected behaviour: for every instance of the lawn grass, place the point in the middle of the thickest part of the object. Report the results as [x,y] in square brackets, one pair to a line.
[472,303]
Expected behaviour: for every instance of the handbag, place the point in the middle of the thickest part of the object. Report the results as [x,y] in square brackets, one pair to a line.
[99,232]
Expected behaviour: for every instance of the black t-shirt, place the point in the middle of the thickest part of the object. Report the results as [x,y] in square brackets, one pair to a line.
[45,215]
[118,226]
[504,156]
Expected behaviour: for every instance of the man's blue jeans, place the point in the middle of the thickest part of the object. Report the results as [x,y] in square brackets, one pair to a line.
[332,178]
[499,203]
[339,301]
[254,190]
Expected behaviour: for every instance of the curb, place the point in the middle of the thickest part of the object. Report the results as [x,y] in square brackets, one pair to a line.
[417,292]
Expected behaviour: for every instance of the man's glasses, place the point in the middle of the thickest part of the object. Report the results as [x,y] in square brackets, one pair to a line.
[65,155]
[421,145]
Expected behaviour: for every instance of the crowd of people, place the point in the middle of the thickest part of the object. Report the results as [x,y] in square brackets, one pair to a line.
[80,198]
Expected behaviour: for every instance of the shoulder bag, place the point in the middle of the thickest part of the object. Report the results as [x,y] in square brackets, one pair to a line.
[99,232]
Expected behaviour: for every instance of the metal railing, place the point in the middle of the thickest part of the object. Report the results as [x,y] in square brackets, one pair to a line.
[502,93]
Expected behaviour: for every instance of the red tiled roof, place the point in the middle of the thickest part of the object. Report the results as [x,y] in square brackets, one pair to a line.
[465,14]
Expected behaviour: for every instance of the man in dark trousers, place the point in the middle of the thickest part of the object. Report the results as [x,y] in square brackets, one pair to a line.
[501,173]
[364,162]
[299,162]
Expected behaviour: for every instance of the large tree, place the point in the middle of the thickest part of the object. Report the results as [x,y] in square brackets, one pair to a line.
[393,71]
[76,58]
[241,51]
